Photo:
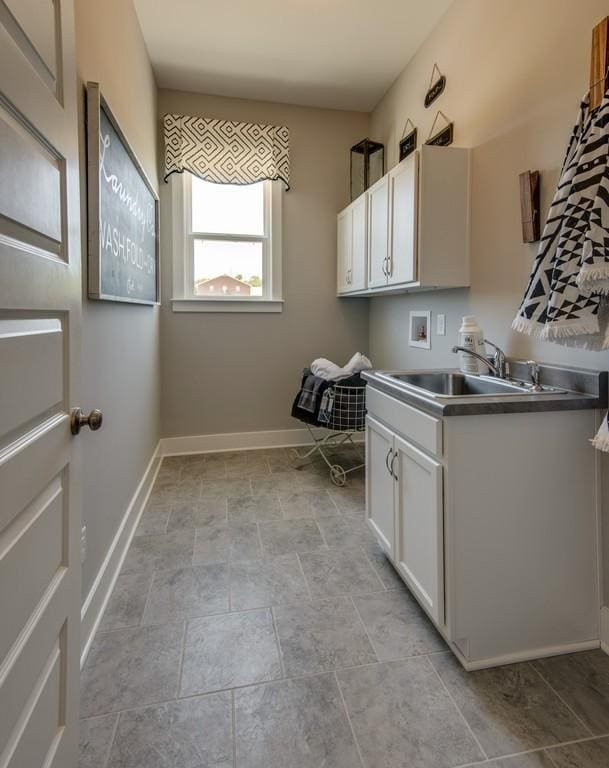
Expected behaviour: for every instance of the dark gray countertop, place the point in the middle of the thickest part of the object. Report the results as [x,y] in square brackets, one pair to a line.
[585,389]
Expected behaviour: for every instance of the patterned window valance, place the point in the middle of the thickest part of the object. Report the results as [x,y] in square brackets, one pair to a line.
[226,152]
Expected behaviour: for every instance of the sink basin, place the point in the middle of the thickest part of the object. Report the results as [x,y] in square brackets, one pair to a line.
[455,384]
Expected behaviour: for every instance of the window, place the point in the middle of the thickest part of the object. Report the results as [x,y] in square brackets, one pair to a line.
[227,245]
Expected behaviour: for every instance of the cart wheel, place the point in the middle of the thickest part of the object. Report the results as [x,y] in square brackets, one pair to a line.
[338,475]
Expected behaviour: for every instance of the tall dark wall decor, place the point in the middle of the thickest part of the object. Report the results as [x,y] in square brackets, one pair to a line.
[367,165]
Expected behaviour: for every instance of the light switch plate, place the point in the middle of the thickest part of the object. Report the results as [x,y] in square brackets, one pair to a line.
[441,325]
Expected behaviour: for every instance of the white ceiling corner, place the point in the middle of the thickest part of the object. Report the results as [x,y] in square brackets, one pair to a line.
[340,54]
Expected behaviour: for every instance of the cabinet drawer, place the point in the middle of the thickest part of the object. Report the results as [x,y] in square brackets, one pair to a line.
[418,427]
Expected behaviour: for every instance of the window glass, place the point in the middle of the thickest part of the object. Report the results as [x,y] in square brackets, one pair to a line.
[227,208]
[227,268]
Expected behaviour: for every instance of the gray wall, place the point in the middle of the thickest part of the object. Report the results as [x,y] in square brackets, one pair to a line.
[239,372]
[120,356]
[516,71]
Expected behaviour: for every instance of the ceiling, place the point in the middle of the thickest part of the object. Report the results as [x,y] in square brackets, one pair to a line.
[342,54]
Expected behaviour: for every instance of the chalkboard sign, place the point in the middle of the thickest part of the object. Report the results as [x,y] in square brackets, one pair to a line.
[123,234]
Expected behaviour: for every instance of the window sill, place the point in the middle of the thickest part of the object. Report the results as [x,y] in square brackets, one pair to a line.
[226,305]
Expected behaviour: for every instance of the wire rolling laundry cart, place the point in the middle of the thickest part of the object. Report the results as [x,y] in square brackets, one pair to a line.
[342,414]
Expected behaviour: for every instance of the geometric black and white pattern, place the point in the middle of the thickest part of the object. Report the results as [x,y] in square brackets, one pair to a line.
[226,152]
[570,276]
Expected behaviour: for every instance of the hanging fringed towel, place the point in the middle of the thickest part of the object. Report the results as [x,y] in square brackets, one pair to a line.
[565,300]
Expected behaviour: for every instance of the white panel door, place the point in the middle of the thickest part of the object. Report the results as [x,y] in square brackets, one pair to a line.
[378,232]
[359,243]
[343,251]
[380,510]
[40,298]
[420,529]
[402,265]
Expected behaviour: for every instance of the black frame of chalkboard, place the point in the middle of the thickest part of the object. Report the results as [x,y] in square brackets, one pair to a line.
[95,103]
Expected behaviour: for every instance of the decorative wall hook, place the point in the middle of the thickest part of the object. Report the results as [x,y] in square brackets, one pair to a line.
[444,137]
[435,87]
[408,142]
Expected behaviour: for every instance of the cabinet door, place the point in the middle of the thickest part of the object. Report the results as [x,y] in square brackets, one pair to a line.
[378,233]
[380,510]
[404,204]
[343,250]
[419,523]
[359,243]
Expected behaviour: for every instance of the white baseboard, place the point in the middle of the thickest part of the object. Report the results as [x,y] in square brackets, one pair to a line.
[240,441]
[520,656]
[95,602]
[605,629]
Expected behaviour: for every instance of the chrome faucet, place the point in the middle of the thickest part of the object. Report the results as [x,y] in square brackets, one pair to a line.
[534,373]
[499,366]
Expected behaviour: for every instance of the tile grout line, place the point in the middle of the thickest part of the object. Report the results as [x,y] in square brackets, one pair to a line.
[182,654]
[281,507]
[234,727]
[256,607]
[321,533]
[306,583]
[534,751]
[259,535]
[555,692]
[550,758]
[365,628]
[278,644]
[111,741]
[148,593]
[371,564]
[348,716]
[458,708]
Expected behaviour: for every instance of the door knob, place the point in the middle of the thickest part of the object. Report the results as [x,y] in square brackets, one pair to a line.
[78,420]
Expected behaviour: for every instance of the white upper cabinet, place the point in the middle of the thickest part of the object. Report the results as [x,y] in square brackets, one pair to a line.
[359,243]
[416,233]
[352,247]
[378,232]
[343,250]
[403,191]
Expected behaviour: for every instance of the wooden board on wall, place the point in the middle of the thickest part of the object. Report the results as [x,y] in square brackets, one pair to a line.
[599,62]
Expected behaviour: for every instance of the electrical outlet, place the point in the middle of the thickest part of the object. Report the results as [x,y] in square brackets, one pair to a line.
[83,544]
[441,325]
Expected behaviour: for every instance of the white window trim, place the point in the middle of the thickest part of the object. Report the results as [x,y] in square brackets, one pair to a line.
[183,298]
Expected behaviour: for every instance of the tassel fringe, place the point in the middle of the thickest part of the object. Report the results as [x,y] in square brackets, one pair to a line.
[601,441]
[551,331]
[528,327]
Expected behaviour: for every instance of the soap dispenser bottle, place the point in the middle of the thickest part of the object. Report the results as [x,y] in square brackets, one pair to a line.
[471,336]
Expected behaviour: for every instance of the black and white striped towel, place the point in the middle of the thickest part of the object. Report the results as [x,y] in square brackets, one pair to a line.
[565,300]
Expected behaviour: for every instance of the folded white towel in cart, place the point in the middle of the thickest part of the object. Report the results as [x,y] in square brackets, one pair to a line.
[329,371]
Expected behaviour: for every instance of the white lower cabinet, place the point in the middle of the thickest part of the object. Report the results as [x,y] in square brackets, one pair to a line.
[379,483]
[491,522]
[420,527]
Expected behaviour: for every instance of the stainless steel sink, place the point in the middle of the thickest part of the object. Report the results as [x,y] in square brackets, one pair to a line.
[455,384]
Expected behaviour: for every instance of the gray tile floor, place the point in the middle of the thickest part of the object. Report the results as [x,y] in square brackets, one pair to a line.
[257,624]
